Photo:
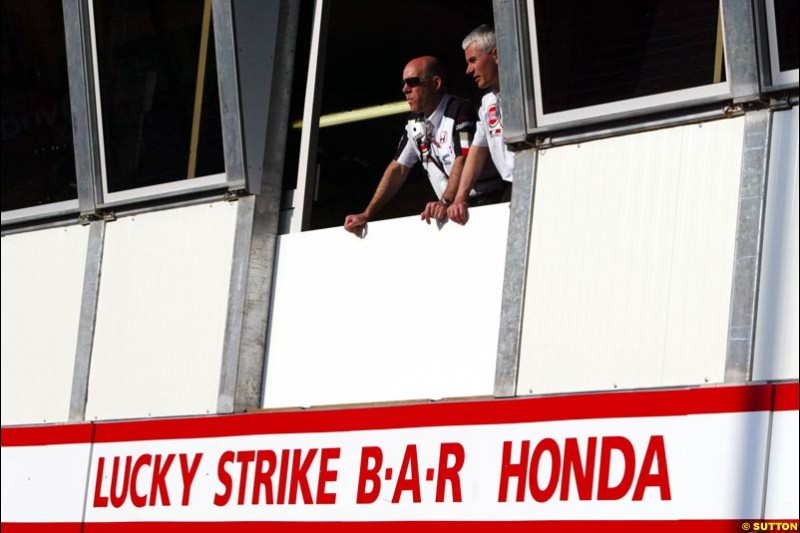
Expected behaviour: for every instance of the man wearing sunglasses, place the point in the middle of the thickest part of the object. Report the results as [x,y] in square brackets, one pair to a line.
[438,135]
[480,51]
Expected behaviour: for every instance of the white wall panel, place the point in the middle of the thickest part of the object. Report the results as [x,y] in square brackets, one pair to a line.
[42,284]
[777,352]
[783,478]
[409,312]
[161,313]
[631,261]
[44,483]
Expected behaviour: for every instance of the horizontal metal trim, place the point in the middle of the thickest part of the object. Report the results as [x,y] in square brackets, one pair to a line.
[633,113]
[150,207]
[41,225]
[38,212]
[164,190]
[638,125]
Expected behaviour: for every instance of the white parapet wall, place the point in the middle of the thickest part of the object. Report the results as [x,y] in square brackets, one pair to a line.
[409,312]
[161,313]
[42,284]
[631,259]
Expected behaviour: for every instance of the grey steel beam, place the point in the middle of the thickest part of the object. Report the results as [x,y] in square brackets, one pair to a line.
[747,255]
[516,271]
[85,132]
[234,319]
[229,98]
[739,34]
[250,293]
[88,318]
[266,218]
[516,82]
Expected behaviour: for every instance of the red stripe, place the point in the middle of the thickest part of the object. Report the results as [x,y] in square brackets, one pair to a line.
[464,151]
[618,526]
[787,397]
[44,435]
[705,400]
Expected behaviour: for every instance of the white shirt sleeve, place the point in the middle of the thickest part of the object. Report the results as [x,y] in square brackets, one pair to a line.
[407,154]
[480,135]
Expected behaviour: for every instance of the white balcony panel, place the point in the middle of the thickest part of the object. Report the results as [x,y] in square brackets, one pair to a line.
[409,312]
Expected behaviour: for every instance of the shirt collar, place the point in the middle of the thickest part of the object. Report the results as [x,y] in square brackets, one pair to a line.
[439,111]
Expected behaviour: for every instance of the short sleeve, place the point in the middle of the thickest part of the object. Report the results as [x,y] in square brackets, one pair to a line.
[466,122]
[405,154]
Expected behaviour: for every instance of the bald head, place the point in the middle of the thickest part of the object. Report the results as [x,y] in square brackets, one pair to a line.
[430,65]
[424,94]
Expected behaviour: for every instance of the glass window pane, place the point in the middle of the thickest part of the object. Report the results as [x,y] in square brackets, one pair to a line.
[787,13]
[594,52]
[38,163]
[158,85]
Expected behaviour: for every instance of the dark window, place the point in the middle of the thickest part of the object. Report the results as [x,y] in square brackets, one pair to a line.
[158,85]
[368,46]
[787,13]
[594,52]
[38,160]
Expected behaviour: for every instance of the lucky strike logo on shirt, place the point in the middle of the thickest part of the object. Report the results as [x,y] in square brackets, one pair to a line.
[494,115]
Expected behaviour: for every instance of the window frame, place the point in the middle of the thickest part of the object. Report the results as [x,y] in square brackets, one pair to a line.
[93,197]
[63,207]
[150,192]
[773,79]
[621,109]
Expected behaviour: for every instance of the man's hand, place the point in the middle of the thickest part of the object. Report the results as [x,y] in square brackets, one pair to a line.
[458,212]
[355,223]
[437,210]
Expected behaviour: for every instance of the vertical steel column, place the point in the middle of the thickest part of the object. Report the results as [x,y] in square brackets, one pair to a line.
[266,217]
[234,319]
[229,98]
[517,102]
[88,317]
[250,293]
[83,104]
[739,34]
[516,78]
[516,271]
[747,255]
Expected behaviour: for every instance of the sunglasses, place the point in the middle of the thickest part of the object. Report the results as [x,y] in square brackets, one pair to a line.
[416,81]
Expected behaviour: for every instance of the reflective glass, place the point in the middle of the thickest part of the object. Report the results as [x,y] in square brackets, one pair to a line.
[787,14]
[38,162]
[594,52]
[158,86]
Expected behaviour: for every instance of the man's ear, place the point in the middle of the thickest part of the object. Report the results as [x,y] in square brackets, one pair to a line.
[439,83]
[494,54]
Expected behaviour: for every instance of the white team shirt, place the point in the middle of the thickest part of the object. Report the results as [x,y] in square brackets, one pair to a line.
[450,130]
[490,134]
